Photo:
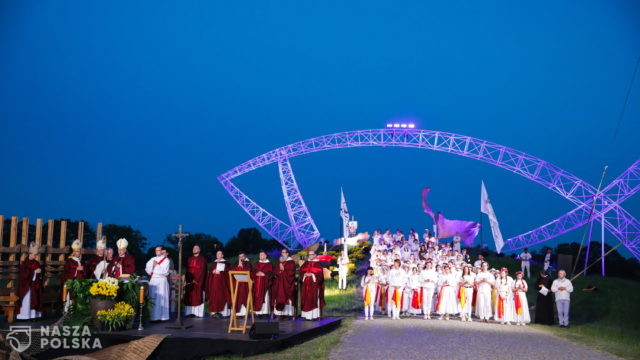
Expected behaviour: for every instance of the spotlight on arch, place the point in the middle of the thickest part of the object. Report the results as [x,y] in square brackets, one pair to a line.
[396,125]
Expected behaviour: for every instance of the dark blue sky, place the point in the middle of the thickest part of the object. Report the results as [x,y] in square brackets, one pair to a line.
[126,112]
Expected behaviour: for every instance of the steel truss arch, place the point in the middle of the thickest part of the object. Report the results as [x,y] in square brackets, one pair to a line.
[617,220]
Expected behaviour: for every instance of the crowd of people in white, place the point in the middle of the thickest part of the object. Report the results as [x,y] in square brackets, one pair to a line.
[420,276]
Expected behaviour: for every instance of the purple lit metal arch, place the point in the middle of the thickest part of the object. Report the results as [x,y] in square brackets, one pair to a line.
[302,231]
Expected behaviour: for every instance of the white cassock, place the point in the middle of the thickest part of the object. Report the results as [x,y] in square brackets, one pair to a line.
[483,302]
[159,287]
[26,312]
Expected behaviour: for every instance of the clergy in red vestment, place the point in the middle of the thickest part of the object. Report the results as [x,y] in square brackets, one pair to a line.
[283,290]
[30,286]
[312,292]
[93,261]
[243,264]
[74,267]
[124,263]
[261,275]
[217,291]
[195,278]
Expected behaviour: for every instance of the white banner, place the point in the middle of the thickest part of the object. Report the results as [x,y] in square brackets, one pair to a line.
[487,208]
[344,214]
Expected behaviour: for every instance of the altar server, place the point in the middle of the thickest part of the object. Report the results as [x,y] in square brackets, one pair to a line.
[158,269]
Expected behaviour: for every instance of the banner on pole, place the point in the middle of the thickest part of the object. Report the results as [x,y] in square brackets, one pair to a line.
[487,208]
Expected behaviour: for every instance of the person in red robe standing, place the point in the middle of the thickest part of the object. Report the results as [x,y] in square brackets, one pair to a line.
[124,263]
[261,275]
[74,268]
[217,291]
[312,292]
[243,264]
[195,278]
[93,262]
[283,290]
[30,286]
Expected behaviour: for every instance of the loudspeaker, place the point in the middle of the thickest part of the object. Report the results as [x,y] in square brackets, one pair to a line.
[265,330]
[565,262]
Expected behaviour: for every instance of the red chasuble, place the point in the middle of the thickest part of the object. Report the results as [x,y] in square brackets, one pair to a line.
[312,289]
[284,285]
[128,265]
[243,288]
[195,280]
[71,271]
[217,291]
[92,263]
[26,283]
[261,283]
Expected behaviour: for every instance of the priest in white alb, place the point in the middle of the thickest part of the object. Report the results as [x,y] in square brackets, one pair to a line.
[158,270]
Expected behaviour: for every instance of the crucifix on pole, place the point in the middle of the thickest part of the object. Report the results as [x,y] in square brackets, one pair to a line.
[178,324]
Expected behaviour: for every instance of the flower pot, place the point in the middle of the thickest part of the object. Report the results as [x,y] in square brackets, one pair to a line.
[97,305]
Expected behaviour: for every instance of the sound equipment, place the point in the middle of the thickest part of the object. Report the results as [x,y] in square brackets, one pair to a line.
[565,262]
[265,330]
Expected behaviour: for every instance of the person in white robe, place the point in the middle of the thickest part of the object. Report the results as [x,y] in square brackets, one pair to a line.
[520,287]
[429,279]
[505,307]
[466,284]
[343,271]
[397,281]
[415,284]
[447,303]
[369,284]
[484,282]
[158,269]
[525,262]
[456,242]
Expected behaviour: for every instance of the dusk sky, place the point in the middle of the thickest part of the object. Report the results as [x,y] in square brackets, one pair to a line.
[126,112]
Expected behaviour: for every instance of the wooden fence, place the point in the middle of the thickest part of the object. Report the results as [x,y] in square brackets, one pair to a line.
[52,256]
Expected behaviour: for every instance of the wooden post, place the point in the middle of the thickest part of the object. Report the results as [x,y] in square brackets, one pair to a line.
[25,236]
[1,229]
[99,233]
[63,238]
[39,237]
[50,229]
[13,240]
[81,231]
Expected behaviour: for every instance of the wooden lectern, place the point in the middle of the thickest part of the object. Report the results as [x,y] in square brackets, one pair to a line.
[236,277]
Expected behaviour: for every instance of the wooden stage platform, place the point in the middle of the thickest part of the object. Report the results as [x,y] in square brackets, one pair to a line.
[206,337]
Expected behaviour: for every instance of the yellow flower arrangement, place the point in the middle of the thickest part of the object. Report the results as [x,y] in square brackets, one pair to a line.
[117,317]
[104,289]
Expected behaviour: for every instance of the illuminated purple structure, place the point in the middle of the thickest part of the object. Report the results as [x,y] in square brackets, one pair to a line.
[301,230]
